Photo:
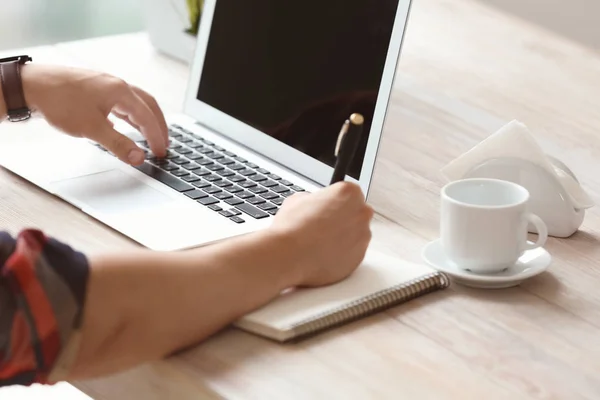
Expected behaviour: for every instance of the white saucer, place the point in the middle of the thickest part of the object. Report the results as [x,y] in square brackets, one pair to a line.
[532,263]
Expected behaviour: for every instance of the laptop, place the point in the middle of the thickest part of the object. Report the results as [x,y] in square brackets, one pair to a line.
[271,85]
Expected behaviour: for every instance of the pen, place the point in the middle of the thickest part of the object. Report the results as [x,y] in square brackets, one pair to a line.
[346,146]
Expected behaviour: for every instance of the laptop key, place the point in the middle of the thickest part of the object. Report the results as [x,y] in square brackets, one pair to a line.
[233,201]
[237,220]
[286,183]
[195,194]
[195,156]
[164,177]
[251,165]
[247,184]
[257,190]
[212,178]
[234,189]
[180,161]
[297,188]
[201,184]
[180,173]
[266,206]
[255,200]
[223,184]
[247,172]
[235,211]
[269,183]
[226,214]
[258,178]
[191,178]
[223,196]
[240,159]
[237,167]
[273,211]
[196,145]
[212,190]
[191,166]
[225,173]
[278,201]
[279,189]
[263,171]
[287,194]
[275,177]
[215,207]
[215,167]
[205,162]
[207,201]
[244,195]
[216,156]
[201,172]
[252,211]
[237,179]
[269,196]
[184,150]
[226,161]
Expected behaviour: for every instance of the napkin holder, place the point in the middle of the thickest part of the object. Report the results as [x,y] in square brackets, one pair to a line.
[549,199]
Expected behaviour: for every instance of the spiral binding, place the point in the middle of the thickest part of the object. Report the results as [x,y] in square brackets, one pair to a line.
[370,304]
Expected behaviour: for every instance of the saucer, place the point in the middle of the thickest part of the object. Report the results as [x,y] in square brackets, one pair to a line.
[532,263]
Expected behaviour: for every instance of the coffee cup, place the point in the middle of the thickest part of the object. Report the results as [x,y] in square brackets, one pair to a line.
[484,224]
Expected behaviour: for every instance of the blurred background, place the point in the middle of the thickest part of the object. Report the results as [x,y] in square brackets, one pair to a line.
[25,23]
[35,22]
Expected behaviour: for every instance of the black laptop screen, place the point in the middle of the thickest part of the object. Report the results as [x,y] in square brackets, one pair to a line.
[296,70]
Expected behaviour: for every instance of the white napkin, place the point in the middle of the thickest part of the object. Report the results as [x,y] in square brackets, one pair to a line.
[514,140]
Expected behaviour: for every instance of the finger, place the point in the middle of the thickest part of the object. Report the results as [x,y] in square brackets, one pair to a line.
[139,114]
[160,117]
[120,145]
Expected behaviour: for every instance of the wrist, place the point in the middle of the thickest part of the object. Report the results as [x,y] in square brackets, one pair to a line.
[279,256]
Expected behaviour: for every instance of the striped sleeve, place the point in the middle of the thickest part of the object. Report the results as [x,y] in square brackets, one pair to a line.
[42,293]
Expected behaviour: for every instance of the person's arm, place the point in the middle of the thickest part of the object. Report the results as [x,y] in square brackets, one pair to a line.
[78,102]
[73,318]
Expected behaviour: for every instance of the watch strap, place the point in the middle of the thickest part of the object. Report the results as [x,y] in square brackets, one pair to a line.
[12,88]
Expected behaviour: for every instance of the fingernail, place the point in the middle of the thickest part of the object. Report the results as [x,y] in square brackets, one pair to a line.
[136,157]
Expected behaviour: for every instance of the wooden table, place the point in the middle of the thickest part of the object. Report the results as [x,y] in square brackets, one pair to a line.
[465,71]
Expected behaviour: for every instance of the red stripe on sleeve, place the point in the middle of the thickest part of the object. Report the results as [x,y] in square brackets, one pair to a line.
[21,265]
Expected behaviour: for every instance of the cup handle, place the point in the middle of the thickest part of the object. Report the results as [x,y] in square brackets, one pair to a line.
[542,230]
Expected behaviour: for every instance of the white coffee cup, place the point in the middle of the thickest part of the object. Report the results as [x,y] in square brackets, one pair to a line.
[484,223]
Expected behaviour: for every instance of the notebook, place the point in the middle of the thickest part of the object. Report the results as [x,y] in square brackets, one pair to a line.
[379,283]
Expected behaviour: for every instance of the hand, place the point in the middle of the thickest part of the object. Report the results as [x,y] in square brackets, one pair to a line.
[328,232]
[78,102]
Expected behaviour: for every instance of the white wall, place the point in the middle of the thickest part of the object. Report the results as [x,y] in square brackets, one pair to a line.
[577,20]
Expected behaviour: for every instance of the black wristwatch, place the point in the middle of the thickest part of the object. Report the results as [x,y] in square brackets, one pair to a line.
[12,88]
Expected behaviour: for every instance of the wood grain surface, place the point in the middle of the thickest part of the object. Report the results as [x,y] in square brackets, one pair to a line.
[465,71]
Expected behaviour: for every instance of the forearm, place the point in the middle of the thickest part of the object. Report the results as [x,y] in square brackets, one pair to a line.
[143,306]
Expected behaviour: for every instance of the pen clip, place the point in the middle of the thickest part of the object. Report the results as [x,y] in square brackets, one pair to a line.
[341,137]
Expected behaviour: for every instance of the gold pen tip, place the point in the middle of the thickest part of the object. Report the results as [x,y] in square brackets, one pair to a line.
[357,119]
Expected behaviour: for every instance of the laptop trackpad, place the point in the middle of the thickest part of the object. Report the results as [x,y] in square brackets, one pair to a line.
[110,192]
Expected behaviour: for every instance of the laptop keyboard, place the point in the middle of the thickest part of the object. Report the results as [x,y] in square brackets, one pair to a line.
[217,178]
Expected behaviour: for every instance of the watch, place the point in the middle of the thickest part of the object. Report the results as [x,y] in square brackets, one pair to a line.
[12,88]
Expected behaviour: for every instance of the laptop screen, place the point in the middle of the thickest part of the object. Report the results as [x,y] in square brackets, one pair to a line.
[296,70]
